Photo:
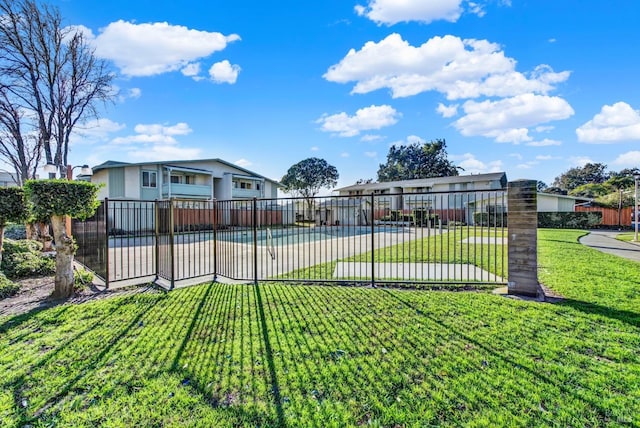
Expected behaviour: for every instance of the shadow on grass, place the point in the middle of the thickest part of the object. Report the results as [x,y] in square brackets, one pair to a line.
[272,355]
[489,348]
[628,317]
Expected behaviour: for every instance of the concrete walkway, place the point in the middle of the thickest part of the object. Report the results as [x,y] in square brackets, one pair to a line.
[605,241]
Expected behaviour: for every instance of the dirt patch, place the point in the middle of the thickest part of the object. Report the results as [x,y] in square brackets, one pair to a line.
[35,293]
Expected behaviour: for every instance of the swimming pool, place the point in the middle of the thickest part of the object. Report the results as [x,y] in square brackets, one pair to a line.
[297,235]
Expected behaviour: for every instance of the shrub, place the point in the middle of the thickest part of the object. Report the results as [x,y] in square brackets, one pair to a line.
[15,231]
[23,259]
[7,287]
[490,219]
[81,279]
[569,220]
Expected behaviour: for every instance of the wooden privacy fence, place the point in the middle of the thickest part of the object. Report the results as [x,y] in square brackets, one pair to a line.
[611,216]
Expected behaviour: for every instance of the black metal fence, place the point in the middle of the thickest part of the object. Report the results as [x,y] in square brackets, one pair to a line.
[453,237]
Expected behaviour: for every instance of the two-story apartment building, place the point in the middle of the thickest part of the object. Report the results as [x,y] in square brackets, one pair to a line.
[185,179]
[448,197]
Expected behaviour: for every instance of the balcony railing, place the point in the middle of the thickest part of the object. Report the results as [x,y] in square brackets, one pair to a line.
[245,193]
[186,190]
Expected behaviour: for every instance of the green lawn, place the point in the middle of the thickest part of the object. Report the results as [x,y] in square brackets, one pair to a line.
[449,247]
[293,355]
[626,236]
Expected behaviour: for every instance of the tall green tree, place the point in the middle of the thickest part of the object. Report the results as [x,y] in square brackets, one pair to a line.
[590,173]
[417,160]
[307,177]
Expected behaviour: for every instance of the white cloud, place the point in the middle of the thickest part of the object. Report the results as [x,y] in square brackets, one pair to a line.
[544,128]
[458,68]
[243,163]
[390,12]
[178,129]
[507,120]
[224,72]
[344,155]
[135,93]
[371,138]
[371,154]
[516,156]
[99,129]
[447,111]
[124,95]
[411,139]
[154,134]
[192,70]
[477,9]
[544,143]
[580,160]
[315,148]
[614,123]
[365,119]
[155,142]
[155,48]
[629,159]
[546,157]
[472,165]
[527,165]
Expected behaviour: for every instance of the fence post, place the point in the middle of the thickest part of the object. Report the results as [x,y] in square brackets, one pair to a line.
[215,240]
[373,243]
[171,243]
[156,261]
[106,252]
[522,224]
[255,241]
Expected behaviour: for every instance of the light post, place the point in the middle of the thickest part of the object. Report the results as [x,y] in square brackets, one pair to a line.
[636,177]
[84,170]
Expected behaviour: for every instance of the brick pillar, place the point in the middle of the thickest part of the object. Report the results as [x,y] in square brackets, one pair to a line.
[523,239]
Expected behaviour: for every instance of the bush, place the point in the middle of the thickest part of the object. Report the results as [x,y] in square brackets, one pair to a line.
[7,287]
[15,231]
[490,219]
[23,259]
[569,220]
[81,279]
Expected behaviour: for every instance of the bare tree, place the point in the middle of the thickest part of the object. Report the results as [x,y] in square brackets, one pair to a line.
[51,72]
[20,149]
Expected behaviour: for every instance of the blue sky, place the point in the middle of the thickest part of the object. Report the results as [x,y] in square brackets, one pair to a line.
[530,87]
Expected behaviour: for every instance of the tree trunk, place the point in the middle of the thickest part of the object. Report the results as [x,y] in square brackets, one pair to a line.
[45,237]
[65,250]
[30,230]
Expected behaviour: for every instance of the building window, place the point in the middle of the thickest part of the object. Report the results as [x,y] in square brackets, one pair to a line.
[257,186]
[149,179]
[176,179]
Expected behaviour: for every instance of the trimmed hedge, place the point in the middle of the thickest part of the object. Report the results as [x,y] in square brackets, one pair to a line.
[552,220]
[490,219]
[569,220]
